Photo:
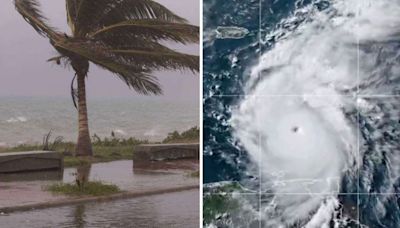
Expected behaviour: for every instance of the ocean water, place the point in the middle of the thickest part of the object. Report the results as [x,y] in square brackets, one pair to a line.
[304,111]
[27,119]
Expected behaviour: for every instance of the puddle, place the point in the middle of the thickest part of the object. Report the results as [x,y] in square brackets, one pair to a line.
[179,209]
[26,188]
[122,174]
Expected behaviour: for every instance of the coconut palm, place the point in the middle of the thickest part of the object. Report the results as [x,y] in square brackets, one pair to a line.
[121,36]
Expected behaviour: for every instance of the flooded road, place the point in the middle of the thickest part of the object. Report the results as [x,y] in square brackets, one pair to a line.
[26,189]
[123,174]
[179,209]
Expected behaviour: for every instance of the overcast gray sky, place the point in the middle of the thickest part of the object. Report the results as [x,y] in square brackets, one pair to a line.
[25,72]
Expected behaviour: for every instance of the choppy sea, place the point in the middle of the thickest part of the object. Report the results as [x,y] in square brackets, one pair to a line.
[27,119]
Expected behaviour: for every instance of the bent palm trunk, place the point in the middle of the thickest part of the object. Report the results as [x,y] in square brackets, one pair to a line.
[83,146]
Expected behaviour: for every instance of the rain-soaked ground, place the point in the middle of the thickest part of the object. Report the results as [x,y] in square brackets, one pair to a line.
[180,209]
[27,188]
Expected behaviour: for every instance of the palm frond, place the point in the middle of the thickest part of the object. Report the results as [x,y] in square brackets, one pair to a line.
[74,92]
[157,60]
[135,76]
[149,29]
[60,60]
[139,80]
[123,42]
[29,9]
[72,13]
[94,15]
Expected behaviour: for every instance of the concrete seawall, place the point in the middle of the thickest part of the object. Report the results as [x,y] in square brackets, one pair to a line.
[15,162]
[163,152]
[160,156]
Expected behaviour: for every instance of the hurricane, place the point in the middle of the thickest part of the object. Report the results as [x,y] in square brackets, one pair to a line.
[320,120]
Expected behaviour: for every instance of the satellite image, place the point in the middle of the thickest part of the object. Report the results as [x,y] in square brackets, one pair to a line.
[301,113]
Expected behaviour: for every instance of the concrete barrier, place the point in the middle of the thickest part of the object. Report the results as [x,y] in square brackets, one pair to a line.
[46,175]
[163,152]
[15,162]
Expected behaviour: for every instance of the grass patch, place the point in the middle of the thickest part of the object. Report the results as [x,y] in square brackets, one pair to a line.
[71,161]
[91,188]
[190,136]
[102,154]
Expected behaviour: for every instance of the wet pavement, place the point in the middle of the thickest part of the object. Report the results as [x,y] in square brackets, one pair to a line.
[27,189]
[121,173]
[170,210]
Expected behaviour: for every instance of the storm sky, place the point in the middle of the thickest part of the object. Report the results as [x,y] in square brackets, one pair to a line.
[25,72]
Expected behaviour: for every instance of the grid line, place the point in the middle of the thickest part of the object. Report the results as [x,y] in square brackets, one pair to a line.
[311,194]
[259,135]
[359,165]
[307,95]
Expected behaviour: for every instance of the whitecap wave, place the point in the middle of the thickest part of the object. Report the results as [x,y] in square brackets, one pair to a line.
[18,119]
[152,132]
[120,132]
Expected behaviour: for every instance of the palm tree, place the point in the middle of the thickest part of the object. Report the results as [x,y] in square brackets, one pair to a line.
[121,36]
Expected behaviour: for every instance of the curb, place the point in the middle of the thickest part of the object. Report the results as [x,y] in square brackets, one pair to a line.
[73,201]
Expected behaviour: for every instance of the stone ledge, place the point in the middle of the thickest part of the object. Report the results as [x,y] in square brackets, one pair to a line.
[162,152]
[46,175]
[15,162]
